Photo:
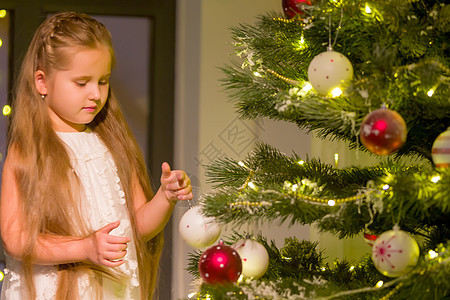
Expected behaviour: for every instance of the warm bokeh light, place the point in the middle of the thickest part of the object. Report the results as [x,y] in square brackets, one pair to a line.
[336,92]
[6,110]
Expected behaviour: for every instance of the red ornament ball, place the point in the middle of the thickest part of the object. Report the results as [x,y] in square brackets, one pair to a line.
[440,151]
[383,131]
[292,8]
[220,264]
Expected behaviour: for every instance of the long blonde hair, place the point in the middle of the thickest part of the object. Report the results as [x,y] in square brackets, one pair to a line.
[47,187]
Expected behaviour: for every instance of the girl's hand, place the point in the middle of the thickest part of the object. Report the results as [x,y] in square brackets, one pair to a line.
[175,185]
[105,249]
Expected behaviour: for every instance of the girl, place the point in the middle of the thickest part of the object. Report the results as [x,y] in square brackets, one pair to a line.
[76,222]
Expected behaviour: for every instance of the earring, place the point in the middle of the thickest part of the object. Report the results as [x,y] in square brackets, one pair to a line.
[43,96]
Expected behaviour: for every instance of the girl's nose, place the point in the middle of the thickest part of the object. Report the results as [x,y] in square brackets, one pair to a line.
[94,92]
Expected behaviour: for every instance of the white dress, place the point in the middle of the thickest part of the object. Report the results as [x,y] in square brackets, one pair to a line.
[104,203]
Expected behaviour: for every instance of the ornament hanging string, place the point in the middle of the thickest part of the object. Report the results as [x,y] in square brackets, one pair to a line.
[331,45]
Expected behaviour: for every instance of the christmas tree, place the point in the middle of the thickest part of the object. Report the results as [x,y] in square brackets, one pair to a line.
[376,75]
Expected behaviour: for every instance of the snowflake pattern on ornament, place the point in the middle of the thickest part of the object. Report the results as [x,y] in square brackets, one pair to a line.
[395,253]
[383,252]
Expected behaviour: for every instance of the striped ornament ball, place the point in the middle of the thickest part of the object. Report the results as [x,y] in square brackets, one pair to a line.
[440,151]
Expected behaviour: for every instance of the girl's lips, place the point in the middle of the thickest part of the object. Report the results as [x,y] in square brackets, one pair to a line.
[90,108]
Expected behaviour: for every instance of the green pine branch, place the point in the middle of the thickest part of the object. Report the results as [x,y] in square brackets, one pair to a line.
[297,271]
[286,188]
[398,53]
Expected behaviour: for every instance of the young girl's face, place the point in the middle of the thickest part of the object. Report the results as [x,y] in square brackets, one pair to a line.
[75,95]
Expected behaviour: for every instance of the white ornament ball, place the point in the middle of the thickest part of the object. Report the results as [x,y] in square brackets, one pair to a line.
[440,151]
[395,253]
[329,70]
[197,230]
[254,256]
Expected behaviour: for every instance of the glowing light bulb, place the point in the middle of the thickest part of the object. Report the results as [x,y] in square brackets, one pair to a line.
[301,44]
[307,87]
[379,284]
[430,93]
[367,9]
[6,110]
[257,74]
[250,184]
[385,187]
[300,162]
[432,254]
[1,42]
[435,178]
[336,159]
[336,92]
[331,202]
[2,13]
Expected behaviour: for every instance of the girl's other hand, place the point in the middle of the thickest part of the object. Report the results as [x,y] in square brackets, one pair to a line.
[105,249]
[176,185]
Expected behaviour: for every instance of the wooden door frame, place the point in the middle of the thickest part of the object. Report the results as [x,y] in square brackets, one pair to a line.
[26,15]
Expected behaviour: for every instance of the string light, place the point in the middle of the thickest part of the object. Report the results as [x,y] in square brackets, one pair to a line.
[1,42]
[307,87]
[435,179]
[252,185]
[336,92]
[367,9]
[331,202]
[432,254]
[257,74]
[379,284]
[301,44]
[6,110]
[431,91]
[2,13]
[336,159]
[386,187]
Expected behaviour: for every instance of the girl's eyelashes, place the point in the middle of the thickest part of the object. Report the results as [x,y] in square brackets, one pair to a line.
[84,83]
